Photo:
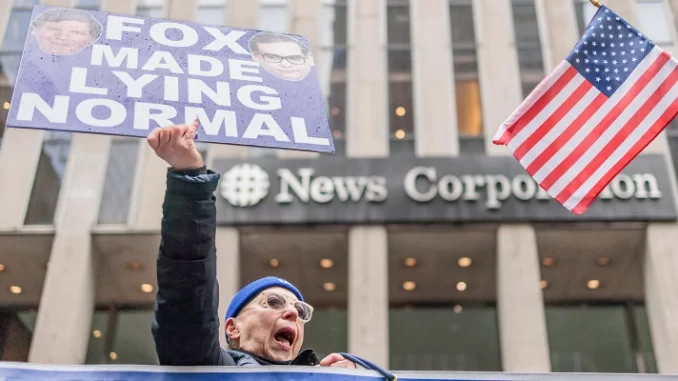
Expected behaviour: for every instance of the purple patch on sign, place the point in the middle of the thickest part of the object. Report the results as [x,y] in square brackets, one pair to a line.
[115,74]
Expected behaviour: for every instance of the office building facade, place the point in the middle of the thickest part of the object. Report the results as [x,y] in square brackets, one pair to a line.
[421,244]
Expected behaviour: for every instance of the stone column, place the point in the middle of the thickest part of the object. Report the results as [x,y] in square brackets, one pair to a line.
[368,307]
[672,14]
[500,87]
[661,299]
[62,329]
[435,122]
[240,14]
[304,15]
[149,189]
[558,30]
[6,11]
[367,136]
[522,324]
[625,9]
[117,6]
[367,86]
[183,10]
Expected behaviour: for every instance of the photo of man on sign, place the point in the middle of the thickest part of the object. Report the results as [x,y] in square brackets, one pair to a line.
[65,31]
[281,55]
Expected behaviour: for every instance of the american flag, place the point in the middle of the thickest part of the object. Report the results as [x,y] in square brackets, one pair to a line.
[598,109]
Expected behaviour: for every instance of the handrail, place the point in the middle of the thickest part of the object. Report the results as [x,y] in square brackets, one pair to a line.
[38,372]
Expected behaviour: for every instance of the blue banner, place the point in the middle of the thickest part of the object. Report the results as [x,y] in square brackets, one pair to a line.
[34,372]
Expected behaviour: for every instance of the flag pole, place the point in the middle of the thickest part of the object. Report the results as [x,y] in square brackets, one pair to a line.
[596,3]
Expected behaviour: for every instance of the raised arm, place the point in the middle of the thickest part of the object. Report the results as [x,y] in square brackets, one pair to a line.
[186,320]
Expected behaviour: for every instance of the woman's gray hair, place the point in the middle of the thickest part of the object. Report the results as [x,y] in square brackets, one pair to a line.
[234,345]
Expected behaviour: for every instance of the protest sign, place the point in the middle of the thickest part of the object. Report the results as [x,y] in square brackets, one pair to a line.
[115,74]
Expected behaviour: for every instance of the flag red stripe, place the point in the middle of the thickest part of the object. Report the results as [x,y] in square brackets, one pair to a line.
[539,105]
[572,158]
[619,137]
[552,120]
[643,142]
[566,135]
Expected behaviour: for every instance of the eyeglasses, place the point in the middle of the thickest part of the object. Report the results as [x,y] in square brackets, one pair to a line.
[278,302]
[274,58]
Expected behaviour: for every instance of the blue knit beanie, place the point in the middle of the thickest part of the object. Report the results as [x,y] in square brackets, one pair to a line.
[247,293]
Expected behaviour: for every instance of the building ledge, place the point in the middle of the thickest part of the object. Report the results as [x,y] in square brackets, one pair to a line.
[122,229]
[28,229]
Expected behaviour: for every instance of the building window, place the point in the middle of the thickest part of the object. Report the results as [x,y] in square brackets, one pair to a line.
[328,331]
[120,175]
[599,338]
[5,97]
[47,184]
[10,53]
[651,19]
[593,288]
[16,333]
[331,67]
[443,319]
[672,135]
[15,36]
[88,4]
[467,84]
[97,348]
[584,11]
[401,109]
[274,15]
[528,44]
[151,8]
[454,337]
[640,326]
[26,3]
[211,12]
[122,337]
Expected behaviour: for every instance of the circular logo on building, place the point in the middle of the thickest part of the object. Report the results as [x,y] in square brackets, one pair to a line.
[244,185]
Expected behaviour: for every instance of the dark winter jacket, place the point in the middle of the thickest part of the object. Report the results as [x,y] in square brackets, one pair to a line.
[186,320]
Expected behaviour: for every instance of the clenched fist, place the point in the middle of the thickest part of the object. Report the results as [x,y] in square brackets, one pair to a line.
[176,145]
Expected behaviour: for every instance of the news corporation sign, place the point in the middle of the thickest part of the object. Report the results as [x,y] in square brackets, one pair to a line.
[405,189]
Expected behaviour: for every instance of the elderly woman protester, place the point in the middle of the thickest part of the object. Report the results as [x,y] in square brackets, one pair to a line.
[265,320]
